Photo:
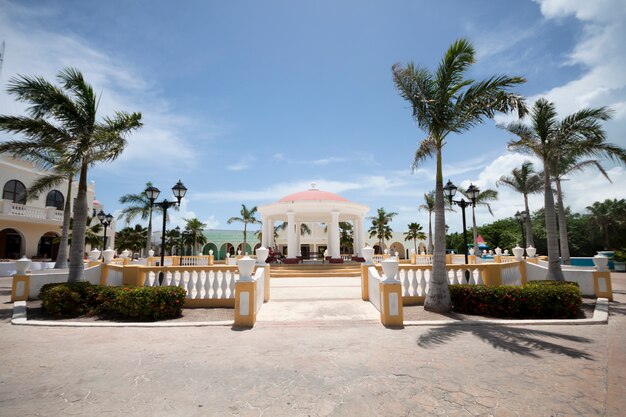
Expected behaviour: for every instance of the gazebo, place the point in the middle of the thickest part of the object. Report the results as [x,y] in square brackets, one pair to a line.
[314,205]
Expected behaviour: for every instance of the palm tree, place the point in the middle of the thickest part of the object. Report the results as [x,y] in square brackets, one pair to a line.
[565,164]
[139,205]
[346,240]
[92,233]
[606,216]
[133,238]
[483,199]
[194,235]
[247,217]
[415,233]
[546,138]
[63,119]
[445,102]
[380,226]
[524,180]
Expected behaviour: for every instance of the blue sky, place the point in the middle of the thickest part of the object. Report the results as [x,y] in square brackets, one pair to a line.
[246,101]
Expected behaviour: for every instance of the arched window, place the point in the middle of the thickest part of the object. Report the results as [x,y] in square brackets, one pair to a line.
[14,191]
[55,199]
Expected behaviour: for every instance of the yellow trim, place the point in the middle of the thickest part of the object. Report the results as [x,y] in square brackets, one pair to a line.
[448,258]
[414,258]
[492,274]
[24,295]
[390,298]
[415,300]
[104,271]
[522,271]
[497,259]
[247,288]
[209,302]
[364,292]
[606,276]
[211,259]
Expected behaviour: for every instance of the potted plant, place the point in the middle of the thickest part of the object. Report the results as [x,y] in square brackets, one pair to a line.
[620,260]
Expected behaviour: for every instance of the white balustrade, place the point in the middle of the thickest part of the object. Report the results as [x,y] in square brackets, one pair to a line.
[423,260]
[194,260]
[259,279]
[199,283]
[511,275]
[414,281]
[22,210]
[377,259]
[373,284]
[457,275]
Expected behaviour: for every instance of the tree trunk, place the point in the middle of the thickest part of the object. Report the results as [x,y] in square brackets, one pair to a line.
[554,265]
[415,244]
[438,297]
[77,250]
[476,250]
[430,233]
[564,242]
[245,229]
[529,226]
[61,261]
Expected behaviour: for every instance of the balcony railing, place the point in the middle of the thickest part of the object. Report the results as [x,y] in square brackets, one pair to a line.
[10,208]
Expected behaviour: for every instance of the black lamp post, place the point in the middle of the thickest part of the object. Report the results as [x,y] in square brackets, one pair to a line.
[521,219]
[179,191]
[105,220]
[152,193]
[472,192]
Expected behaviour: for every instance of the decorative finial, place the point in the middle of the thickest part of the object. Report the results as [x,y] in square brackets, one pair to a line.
[313,186]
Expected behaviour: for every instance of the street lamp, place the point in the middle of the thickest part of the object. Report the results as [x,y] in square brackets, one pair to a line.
[521,219]
[179,191]
[105,220]
[152,193]
[472,192]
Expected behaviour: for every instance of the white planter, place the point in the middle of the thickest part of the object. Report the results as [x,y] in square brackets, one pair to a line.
[498,251]
[211,252]
[368,254]
[125,253]
[94,255]
[22,265]
[245,266]
[601,262]
[531,252]
[518,253]
[108,255]
[390,268]
[261,255]
[397,255]
[150,253]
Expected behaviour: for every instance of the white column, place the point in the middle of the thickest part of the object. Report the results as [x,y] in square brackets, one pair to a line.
[333,235]
[270,232]
[291,235]
[298,231]
[264,232]
[362,240]
[355,237]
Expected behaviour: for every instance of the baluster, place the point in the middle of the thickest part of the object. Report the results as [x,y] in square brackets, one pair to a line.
[426,275]
[479,279]
[404,275]
[414,281]
[148,280]
[207,283]
[201,284]
[224,286]
[215,285]
[182,282]
[231,285]
[420,288]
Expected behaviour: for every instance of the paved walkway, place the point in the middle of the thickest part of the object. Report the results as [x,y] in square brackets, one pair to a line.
[326,368]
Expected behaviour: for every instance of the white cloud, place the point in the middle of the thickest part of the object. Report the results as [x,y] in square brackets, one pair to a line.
[329,160]
[243,164]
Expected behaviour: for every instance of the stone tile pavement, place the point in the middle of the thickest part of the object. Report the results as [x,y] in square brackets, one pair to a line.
[321,368]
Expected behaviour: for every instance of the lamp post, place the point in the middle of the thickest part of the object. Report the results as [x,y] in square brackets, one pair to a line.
[472,192]
[105,220]
[521,219]
[179,191]
[152,193]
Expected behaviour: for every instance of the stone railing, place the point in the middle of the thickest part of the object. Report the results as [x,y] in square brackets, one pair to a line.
[422,259]
[21,210]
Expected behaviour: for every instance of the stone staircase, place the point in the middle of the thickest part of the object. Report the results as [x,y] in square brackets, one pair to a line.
[318,270]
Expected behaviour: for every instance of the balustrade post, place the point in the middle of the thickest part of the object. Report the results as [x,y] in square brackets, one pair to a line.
[602,284]
[492,274]
[20,287]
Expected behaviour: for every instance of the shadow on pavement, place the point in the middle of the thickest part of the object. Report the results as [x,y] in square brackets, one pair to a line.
[617,308]
[518,340]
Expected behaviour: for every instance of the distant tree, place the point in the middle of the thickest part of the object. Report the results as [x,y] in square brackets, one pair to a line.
[525,181]
[484,197]
[131,238]
[608,216]
[380,226]
[246,217]
[346,240]
[194,235]
[414,233]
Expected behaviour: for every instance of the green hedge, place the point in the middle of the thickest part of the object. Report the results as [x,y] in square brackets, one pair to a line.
[66,300]
[538,299]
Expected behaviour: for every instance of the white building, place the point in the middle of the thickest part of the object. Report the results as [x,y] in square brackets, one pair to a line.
[31,227]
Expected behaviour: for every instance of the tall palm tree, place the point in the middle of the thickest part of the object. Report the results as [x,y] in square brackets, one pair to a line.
[133,238]
[64,119]
[139,205]
[524,180]
[546,137]
[415,233]
[483,199]
[380,226]
[92,233]
[247,217]
[566,163]
[194,235]
[445,102]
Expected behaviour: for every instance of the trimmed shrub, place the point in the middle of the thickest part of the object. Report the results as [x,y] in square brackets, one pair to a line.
[541,300]
[146,303]
[67,300]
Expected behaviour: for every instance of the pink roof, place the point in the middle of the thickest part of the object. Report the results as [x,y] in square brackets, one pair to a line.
[312,195]
[480,239]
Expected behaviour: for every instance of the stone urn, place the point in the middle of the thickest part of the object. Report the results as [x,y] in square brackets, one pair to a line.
[245,266]
[601,262]
[386,251]
[94,255]
[368,254]
[125,253]
[498,251]
[261,255]
[108,255]
[211,252]
[397,255]
[239,253]
[150,253]
[531,252]
[22,265]
[518,253]
[390,268]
